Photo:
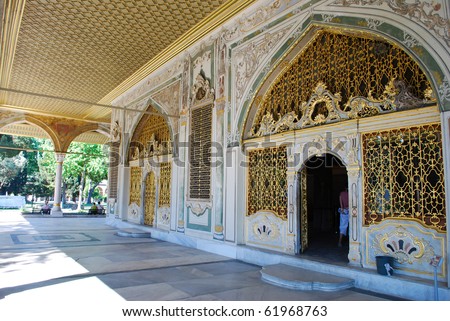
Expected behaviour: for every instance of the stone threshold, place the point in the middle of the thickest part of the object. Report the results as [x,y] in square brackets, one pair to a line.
[296,278]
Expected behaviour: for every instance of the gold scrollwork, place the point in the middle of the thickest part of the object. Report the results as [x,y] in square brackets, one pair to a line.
[150,194]
[267,184]
[151,137]
[135,185]
[369,76]
[404,176]
[165,184]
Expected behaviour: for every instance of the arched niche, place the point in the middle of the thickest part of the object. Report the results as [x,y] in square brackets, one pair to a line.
[333,75]
[151,136]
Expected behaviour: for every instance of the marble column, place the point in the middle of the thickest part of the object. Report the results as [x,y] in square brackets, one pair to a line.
[181,166]
[56,209]
[445,121]
[123,195]
[218,171]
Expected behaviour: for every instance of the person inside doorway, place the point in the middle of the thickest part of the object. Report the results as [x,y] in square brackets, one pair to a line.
[343,211]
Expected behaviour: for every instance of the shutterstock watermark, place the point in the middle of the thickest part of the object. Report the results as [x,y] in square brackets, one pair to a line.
[194,153]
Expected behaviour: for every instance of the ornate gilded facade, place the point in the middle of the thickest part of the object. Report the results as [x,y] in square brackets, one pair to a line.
[339,77]
[228,161]
[151,137]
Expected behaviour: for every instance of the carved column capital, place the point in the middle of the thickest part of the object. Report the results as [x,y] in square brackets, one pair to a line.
[60,157]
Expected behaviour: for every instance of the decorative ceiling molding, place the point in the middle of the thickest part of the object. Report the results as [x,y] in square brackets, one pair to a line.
[12,17]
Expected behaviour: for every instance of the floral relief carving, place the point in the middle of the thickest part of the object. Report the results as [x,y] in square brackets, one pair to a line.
[5,115]
[444,91]
[151,82]
[429,13]
[261,15]
[248,59]
[169,98]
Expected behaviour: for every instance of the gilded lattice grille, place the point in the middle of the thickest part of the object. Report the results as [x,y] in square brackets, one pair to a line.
[164,184]
[151,137]
[267,185]
[150,195]
[404,176]
[135,185]
[200,153]
[348,66]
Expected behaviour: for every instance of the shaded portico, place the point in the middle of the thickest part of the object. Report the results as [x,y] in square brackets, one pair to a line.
[61,132]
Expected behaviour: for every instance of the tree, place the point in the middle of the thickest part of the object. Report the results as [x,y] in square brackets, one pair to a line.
[10,167]
[83,163]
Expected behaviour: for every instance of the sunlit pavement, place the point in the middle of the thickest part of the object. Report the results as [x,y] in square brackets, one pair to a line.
[78,262]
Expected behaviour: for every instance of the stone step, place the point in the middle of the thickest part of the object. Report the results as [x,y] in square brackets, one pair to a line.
[133,233]
[301,279]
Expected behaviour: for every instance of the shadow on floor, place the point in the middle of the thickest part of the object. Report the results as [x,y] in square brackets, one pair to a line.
[324,249]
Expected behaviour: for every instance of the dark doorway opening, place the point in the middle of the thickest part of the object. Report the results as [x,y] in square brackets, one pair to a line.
[326,177]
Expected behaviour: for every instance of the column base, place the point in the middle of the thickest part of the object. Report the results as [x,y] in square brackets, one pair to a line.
[354,255]
[56,212]
[218,236]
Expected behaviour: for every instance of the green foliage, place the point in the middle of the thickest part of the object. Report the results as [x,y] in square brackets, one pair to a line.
[33,172]
[10,167]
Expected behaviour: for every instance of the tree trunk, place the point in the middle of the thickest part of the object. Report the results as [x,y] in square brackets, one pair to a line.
[91,191]
[80,191]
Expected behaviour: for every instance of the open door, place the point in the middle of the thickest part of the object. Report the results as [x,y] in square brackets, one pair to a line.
[321,180]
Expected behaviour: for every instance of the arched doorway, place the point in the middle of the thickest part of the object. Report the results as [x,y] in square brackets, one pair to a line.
[322,178]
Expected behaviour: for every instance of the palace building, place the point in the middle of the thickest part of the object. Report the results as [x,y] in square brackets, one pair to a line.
[238,134]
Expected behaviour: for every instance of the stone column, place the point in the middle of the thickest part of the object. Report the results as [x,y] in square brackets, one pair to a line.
[56,209]
[181,166]
[218,171]
[355,215]
[123,195]
[445,121]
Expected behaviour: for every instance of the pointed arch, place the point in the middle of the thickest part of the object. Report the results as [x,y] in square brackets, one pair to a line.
[152,136]
[35,122]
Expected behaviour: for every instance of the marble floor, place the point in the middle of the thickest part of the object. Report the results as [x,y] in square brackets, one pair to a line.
[57,253]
